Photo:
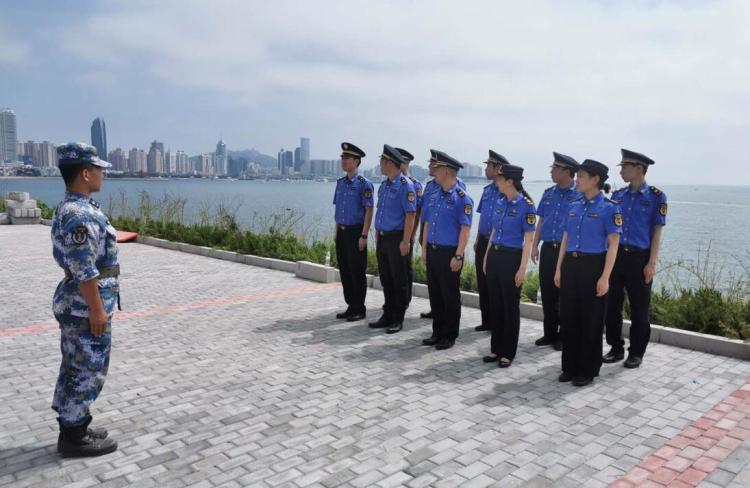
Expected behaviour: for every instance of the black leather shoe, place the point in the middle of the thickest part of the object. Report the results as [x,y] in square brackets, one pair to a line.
[356,316]
[444,344]
[393,328]
[382,323]
[426,315]
[633,362]
[565,377]
[613,356]
[490,359]
[582,380]
[504,363]
[430,341]
[557,345]
[343,315]
[480,328]
[544,341]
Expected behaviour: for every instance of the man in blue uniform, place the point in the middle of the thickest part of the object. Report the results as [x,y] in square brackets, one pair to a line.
[85,247]
[408,158]
[486,209]
[552,211]
[644,214]
[447,221]
[354,201]
[430,187]
[394,225]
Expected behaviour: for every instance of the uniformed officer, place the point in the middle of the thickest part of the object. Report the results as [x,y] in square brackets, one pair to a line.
[644,214]
[428,189]
[447,220]
[505,262]
[394,225]
[587,256]
[486,210]
[551,211]
[85,247]
[408,158]
[354,201]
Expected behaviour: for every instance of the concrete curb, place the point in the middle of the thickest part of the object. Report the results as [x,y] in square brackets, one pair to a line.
[325,274]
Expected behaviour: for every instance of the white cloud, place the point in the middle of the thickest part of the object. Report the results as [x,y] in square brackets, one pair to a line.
[12,50]
[522,77]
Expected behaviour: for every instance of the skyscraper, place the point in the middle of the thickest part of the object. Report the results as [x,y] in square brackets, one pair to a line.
[155,158]
[220,158]
[8,136]
[304,155]
[99,136]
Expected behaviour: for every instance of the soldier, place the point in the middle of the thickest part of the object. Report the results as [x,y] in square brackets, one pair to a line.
[505,262]
[587,256]
[85,247]
[486,209]
[408,158]
[394,223]
[446,232]
[354,202]
[644,214]
[428,189]
[552,211]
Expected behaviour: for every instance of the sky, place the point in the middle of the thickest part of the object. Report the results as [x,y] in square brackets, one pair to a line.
[585,78]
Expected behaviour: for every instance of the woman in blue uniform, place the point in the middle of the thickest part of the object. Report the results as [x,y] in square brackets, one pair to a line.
[505,262]
[587,256]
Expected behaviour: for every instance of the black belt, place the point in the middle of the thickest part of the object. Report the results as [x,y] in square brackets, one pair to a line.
[350,227]
[500,248]
[633,250]
[438,247]
[554,244]
[481,237]
[104,272]
[391,232]
[578,254]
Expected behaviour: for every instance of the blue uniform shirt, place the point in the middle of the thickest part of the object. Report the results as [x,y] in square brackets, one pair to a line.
[352,197]
[446,212]
[486,208]
[641,211]
[511,219]
[431,187]
[395,199]
[590,222]
[83,241]
[553,208]
[419,189]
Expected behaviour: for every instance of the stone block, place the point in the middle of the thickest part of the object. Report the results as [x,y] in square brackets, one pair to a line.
[281,265]
[315,272]
[469,299]
[4,219]
[19,196]
[531,311]
[420,290]
[23,204]
[259,261]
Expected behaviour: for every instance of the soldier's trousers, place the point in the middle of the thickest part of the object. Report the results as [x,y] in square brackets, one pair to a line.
[581,314]
[352,266]
[83,369]
[484,297]
[443,285]
[550,293]
[392,269]
[505,299]
[627,275]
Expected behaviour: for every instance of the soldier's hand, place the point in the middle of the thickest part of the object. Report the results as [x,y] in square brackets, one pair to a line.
[602,287]
[648,273]
[98,322]
[535,254]
[404,248]
[456,265]
[557,278]
[520,277]
[362,243]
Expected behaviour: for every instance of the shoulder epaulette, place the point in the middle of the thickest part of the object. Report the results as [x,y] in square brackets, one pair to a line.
[655,191]
[413,179]
[362,178]
[460,192]
[94,203]
[529,200]
[403,179]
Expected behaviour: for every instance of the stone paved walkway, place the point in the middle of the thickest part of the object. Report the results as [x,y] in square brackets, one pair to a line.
[229,375]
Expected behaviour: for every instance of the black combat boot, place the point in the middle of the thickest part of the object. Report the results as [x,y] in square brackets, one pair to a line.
[80,441]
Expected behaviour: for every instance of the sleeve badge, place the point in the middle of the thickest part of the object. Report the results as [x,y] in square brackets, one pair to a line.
[410,196]
[663,209]
[467,209]
[368,193]
[618,220]
[80,235]
[531,219]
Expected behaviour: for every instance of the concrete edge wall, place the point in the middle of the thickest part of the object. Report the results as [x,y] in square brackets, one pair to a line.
[325,274]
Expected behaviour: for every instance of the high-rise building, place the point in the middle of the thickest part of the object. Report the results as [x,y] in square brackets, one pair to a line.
[170,162]
[118,160]
[38,154]
[99,136]
[286,162]
[8,136]
[137,161]
[304,155]
[155,158]
[220,158]
[183,163]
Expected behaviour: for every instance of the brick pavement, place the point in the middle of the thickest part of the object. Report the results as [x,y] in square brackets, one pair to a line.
[229,375]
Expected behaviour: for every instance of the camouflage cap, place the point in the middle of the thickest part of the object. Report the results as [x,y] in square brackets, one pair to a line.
[79,153]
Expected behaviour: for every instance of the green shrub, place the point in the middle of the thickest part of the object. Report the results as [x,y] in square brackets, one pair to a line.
[530,286]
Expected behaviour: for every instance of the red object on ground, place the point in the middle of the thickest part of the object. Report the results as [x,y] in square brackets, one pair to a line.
[123,236]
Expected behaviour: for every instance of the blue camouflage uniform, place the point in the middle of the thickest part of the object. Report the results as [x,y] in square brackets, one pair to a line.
[85,247]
